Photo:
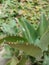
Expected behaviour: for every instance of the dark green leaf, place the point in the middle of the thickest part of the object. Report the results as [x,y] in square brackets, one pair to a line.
[13,39]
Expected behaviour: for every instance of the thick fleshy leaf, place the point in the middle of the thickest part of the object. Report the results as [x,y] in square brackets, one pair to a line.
[44,41]
[28,49]
[13,39]
[43,25]
[28,30]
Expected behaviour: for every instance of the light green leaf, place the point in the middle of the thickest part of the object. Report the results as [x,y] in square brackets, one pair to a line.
[43,25]
[28,30]
[8,52]
[44,41]
[46,60]
[9,27]
[14,61]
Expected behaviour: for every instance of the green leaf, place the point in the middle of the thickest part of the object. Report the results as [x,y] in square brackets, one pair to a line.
[28,30]
[9,26]
[13,39]
[8,51]
[14,61]
[28,49]
[46,60]
[44,41]
[43,25]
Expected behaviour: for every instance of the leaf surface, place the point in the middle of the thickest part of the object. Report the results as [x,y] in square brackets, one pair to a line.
[28,49]
[28,30]
[44,41]
[43,25]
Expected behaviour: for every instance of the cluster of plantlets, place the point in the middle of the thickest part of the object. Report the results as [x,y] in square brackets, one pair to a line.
[17,31]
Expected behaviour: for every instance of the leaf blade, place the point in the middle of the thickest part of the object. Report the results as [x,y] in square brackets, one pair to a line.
[29,32]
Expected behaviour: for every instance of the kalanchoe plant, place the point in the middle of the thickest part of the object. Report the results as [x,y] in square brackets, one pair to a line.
[20,34]
[34,36]
[35,41]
